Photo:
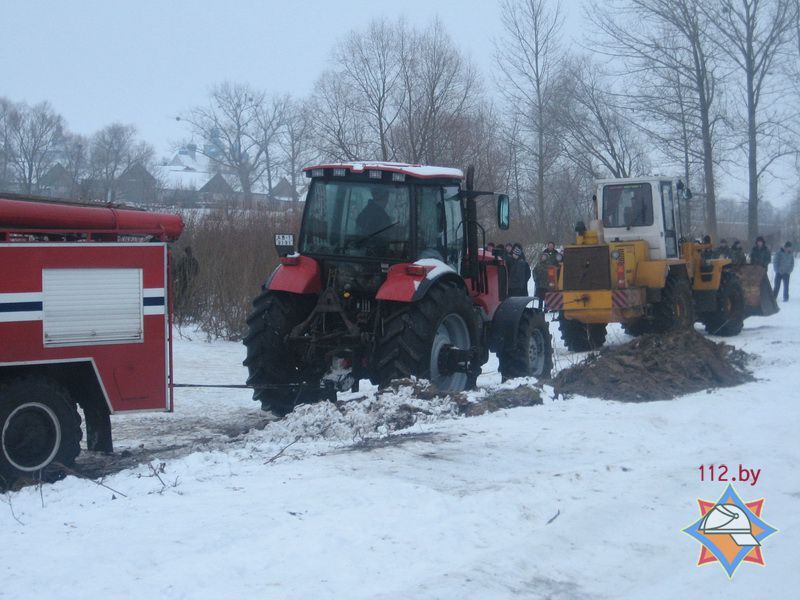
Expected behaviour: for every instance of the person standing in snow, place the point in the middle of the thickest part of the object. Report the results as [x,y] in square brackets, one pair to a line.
[737,254]
[723,250]
[519,272]
[784,264]
[760,254]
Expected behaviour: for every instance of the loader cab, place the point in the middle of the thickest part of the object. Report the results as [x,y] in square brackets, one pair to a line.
[642,209]
[383,213]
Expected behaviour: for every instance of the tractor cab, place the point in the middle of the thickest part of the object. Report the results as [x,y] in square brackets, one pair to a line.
[642,209]
[384,213]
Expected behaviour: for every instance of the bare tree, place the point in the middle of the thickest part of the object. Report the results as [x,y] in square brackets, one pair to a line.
[271,117]
[754,34]
[439,87]
[34,135]
[75,160]
[5,143]
[530,62]
[666,43]
[294,141]
[370,62]
[599,138]
[230,127]
[113,149]
[340,130]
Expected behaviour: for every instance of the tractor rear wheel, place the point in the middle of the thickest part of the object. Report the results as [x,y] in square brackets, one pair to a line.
[532,355]
[40,431]
[582,337]
[675,310]
[728,319]
[416,335]
[269,361]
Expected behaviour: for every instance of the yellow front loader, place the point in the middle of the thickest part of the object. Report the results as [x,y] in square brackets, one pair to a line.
[632,266]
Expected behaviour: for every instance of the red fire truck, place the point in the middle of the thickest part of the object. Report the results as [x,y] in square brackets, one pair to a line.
[84,323]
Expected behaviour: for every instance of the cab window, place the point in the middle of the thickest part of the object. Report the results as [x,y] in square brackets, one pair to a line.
[628,205]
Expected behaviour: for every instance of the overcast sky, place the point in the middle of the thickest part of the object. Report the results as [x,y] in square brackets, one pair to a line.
[144,62]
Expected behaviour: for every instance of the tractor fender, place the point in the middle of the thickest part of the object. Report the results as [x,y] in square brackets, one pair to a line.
[505,324]
[410,282]
[296,275]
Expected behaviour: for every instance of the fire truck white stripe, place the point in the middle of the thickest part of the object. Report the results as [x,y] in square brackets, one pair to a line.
[14,317]
[153,293]
[22,297]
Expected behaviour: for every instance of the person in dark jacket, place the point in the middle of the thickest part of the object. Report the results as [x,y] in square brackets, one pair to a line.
[553,255]
[186,270]
[540,275]
[723,250]
[784,265]
[737,254]
[760,254]
[518,272]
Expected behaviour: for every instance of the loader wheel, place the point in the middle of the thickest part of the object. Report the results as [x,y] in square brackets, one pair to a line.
[268,359]
[582,337]
[637,327]
[675,310]
[415,336]
[532,355]
[728,319]
[40,431]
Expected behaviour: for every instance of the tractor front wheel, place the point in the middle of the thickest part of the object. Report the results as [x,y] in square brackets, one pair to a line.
[675,310]
[728,319]
[416,337]
[532,355]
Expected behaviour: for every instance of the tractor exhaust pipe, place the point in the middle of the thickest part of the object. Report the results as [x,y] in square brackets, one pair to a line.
[472,230]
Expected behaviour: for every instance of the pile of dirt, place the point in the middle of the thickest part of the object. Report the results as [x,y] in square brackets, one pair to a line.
[656,367]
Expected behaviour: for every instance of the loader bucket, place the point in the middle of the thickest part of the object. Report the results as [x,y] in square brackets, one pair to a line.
[758,298]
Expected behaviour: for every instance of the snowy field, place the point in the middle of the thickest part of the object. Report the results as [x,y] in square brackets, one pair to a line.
[576,498]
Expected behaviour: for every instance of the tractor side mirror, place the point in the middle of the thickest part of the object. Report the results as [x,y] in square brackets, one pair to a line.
[284,244]
[503,211]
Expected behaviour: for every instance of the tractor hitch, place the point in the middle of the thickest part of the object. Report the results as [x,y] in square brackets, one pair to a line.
[455,360]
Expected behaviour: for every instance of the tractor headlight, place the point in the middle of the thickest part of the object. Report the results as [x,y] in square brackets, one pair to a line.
[616,254]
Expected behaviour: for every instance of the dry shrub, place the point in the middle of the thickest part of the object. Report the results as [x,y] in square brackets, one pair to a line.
[235,254]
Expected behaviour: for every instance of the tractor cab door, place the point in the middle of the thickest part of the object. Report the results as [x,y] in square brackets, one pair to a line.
[671,219]
[440,231]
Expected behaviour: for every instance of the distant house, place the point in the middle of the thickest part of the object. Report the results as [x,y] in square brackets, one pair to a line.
[136,186]
[282,191]
[217,192]
[57,183]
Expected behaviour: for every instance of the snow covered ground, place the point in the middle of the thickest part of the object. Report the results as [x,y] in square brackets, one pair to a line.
[577,498]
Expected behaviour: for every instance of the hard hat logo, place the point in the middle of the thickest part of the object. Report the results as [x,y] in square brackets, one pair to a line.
[731,531]
[729,519]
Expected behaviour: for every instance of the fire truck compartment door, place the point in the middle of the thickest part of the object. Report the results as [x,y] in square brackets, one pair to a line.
[92,306]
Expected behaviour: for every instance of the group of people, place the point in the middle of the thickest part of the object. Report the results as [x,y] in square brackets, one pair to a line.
[519,271]
[782,262]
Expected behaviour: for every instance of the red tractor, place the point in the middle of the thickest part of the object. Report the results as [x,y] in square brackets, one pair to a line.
[389,281]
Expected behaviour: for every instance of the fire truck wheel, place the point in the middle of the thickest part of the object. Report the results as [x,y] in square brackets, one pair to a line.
[675,310]
[728,319]
[415,336]
[533,354]
[268,361]
[582,337]
[40,430]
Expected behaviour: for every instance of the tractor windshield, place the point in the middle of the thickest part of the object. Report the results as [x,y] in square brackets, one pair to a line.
[628,205]
[351,218]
